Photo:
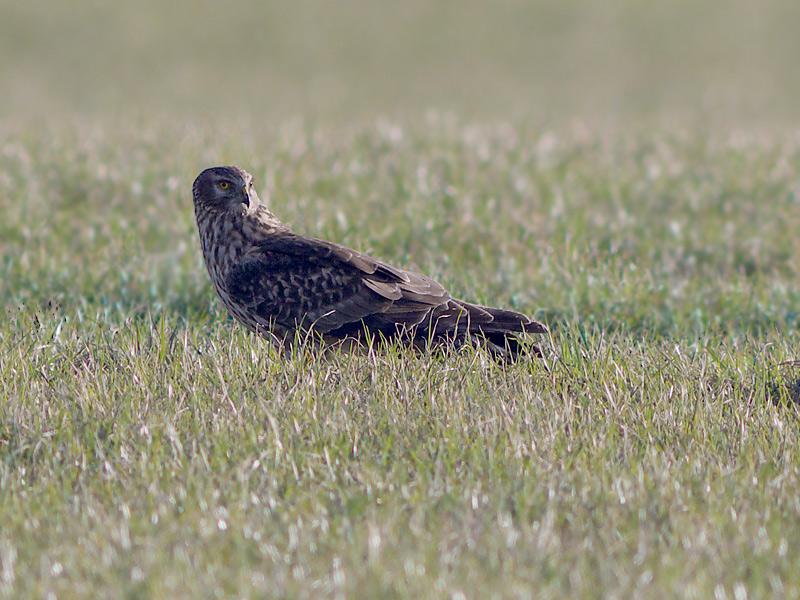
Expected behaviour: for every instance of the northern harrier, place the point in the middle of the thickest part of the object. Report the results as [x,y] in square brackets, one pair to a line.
[276,282]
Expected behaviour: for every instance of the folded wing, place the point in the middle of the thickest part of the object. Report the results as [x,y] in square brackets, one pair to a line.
[305,282]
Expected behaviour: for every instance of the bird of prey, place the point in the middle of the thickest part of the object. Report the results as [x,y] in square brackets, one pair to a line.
[277,283]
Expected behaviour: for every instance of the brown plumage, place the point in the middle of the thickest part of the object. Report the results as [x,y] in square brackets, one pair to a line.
[276,282]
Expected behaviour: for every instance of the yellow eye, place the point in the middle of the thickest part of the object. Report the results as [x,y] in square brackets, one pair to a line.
[224,185]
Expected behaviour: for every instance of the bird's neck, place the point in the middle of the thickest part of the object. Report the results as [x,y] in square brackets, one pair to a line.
[226,237]
[260,223]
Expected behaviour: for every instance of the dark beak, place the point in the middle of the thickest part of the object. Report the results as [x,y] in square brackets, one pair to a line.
[246,196]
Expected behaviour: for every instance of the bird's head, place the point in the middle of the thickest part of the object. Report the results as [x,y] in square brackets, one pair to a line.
[222,189]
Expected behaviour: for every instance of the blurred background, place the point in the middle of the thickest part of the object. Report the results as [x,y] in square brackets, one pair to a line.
[587,60]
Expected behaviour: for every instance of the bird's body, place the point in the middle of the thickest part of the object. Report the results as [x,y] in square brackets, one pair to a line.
[276,282]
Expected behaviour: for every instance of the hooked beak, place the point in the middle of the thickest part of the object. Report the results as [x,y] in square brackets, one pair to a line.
[250,200]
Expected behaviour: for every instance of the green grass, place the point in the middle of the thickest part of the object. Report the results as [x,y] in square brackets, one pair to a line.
[150,447]
[628,172]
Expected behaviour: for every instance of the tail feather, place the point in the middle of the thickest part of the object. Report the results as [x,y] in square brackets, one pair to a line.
[495,328]
[504,321]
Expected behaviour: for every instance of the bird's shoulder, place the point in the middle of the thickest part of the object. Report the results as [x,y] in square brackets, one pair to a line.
[288,250]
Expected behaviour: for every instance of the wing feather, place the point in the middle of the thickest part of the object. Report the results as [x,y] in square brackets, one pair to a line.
[306,282]
[310,283]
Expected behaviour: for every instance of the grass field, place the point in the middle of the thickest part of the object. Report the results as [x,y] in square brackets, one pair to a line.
[151,448]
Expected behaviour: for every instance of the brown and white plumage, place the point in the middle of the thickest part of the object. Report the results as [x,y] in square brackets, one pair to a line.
[276,282]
